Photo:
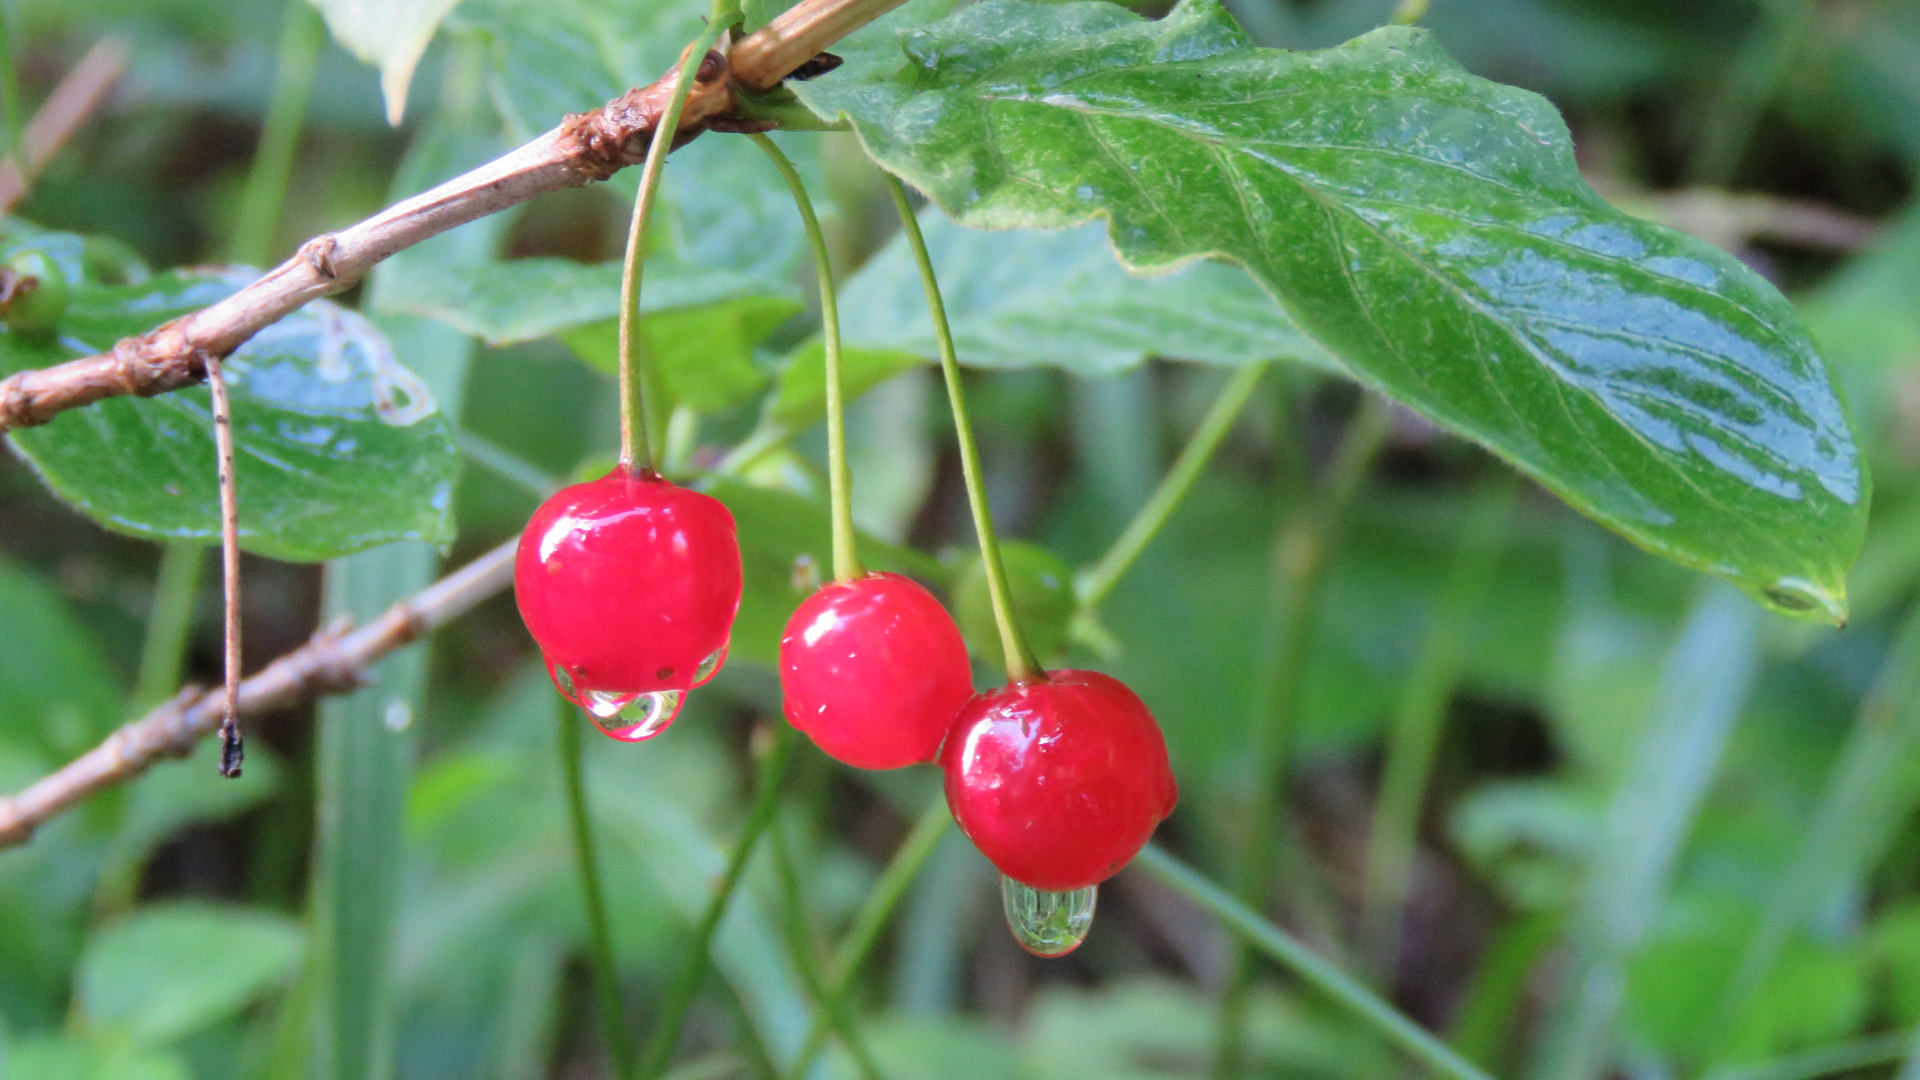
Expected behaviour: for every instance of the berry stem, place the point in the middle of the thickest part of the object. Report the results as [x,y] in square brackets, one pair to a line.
[1021,665]
[686,982]
[800,944]
[867,924]
[606,973]
[1094,583]
[846,550]
[636,451]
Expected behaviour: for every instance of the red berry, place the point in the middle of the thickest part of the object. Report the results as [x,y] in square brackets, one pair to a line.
[1059,781]
[629,584]
[874,671]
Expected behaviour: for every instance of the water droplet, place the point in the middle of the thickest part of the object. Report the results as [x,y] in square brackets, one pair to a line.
[710,666]
[1047,923]
[640,716]
[627,717]
[1802,598]
[605,704]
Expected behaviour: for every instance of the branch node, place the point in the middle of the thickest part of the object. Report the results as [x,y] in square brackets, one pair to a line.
[318,252]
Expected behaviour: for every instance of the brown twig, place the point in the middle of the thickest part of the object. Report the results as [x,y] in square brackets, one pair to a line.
[232,750]
[585,147]
[330,663]
[71,103]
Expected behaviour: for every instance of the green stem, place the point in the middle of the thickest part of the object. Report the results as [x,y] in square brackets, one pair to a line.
[10,99]
[1495,1001]
[868,922]
[686,982]
[1884,1049]
[1752,80]
[1309,967]
[1302,550]
[301,34]
[846,552]
[800,944]
[506,464]
[1093,584]
[636,453]
[606,972]
[1415,730]
[164,651]
[1021,665]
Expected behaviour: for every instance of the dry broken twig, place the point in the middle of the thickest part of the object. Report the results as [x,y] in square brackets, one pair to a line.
[585,147]
[332,662]
[71,103]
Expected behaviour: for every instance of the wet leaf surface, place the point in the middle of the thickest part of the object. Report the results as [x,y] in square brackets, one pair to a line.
[1428,227]
[338,446]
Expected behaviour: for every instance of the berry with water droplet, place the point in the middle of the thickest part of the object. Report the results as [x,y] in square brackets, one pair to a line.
[1059,781]
[629,584]
[874,671]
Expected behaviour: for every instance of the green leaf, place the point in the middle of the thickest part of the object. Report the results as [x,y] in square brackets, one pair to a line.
[799,400]
[391,35]
[65,1057]
[700,324]
[524,299]
[338,446]
[703,355]
[57,695]
[1426,226]
[1019,299]
[170,970]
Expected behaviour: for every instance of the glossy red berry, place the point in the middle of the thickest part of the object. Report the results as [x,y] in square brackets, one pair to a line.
[874,671]
[1059,781]
[629,584]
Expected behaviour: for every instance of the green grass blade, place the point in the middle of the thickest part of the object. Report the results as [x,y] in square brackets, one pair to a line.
[1702,688]
[1828,1060]
[1874,787]
[1309,966]
[365,751]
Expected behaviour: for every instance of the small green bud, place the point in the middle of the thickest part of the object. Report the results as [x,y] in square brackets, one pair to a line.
[33,294]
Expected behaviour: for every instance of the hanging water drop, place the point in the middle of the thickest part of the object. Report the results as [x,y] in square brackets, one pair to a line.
[641,717]
[605,704]
[1047,923]
[710,666]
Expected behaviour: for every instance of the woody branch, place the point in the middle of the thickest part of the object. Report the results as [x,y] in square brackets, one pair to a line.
[332,662]
[584,148]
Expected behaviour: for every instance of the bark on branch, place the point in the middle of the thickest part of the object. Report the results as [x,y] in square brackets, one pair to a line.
[585,147]
[332,662]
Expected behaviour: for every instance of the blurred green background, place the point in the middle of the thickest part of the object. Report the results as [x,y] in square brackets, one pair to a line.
[1663,834]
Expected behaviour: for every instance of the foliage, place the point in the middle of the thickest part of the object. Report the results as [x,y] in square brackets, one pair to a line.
[1665,832]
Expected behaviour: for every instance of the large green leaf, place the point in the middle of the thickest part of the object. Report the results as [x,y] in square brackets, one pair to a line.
[169,970]
[338,446]
[1018,299]
[1429,228]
